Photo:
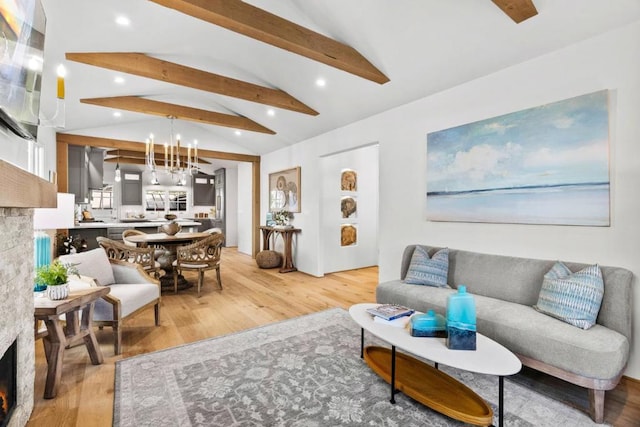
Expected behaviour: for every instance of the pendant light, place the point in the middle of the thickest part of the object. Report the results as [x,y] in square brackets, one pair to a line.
[118,176]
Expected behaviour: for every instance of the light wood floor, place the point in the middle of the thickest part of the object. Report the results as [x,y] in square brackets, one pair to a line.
[251,297]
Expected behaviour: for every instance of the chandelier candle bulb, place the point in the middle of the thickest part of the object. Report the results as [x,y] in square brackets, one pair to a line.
[60,87]
[61,73]
[178,151]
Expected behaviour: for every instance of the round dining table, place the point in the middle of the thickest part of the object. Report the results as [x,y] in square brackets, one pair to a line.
[170,243]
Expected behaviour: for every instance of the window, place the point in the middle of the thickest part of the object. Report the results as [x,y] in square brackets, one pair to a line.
[102,199]
[157,200]
[178,201]
[154,200]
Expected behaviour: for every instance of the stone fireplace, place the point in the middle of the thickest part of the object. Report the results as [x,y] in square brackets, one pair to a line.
[16,304]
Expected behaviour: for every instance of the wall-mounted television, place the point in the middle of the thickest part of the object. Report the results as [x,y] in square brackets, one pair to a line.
[22,30]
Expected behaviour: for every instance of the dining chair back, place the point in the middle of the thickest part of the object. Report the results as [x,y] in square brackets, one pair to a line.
[144,256]
[199,256]
[131,232]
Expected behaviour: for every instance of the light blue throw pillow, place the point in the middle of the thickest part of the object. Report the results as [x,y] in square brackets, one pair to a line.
[574,298]
[428,271]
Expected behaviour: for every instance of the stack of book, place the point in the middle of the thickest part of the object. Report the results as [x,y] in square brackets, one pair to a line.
[391,314]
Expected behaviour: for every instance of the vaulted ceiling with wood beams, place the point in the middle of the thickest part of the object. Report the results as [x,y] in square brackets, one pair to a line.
[255,76]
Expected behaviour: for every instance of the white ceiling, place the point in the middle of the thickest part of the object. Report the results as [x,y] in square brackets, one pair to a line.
[423,46]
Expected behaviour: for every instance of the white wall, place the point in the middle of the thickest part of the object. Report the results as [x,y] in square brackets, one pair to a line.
[245,189]
[364,161]
[609,61]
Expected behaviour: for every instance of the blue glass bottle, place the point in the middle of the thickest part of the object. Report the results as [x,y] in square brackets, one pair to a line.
[461,320]
[41,255]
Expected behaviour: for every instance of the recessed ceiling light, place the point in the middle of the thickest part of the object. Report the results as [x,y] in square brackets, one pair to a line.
[271,112]
[119,79]
[117,114]
[238,133]
[123,21]
[321,82]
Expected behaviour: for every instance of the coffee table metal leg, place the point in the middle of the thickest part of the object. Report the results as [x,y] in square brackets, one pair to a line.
[393,374]
[500,400]
[361,343]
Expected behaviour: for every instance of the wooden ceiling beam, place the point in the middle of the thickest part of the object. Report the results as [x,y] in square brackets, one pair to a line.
[246,19]
[518,10]
[165,109]
[143,65]
[94,141]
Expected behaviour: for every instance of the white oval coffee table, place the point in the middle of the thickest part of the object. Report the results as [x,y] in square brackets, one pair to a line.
[489,358]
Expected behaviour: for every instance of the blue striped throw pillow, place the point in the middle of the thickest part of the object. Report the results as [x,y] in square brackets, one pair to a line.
[574,298]
[428,271]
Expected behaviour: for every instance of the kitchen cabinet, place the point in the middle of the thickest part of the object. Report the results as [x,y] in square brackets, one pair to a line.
[90,236]
[131,188]
[78,181]
[96,169]
[204,190]
[85,171]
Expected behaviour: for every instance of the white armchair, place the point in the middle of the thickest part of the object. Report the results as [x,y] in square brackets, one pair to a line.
[132,289]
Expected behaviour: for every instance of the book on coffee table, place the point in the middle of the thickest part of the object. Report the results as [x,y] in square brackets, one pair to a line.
[390,311]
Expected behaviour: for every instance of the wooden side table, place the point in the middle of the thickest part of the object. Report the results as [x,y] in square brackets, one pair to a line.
[57,338]
[269,233]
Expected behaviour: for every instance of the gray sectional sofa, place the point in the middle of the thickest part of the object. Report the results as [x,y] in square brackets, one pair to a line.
[505,289]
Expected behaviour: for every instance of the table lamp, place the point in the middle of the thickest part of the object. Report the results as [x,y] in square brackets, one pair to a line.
[51,219]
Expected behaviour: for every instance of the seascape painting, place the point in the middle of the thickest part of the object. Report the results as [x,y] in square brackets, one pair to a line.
[543,165]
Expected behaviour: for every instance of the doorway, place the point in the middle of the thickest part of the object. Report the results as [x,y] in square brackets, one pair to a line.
[349,209]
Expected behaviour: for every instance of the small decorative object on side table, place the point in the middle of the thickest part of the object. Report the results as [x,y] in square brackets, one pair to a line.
[55,278]
[282,218]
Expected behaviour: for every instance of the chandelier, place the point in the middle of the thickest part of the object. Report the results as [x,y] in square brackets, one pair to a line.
[175,164]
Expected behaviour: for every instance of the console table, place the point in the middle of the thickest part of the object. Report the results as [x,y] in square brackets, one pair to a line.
[271,233]
[57,338]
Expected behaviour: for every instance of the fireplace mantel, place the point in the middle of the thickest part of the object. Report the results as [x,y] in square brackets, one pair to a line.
[21,189]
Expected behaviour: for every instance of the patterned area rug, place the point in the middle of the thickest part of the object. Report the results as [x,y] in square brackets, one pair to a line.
[300,372]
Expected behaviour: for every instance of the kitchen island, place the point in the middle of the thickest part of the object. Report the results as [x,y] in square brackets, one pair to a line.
[113,230]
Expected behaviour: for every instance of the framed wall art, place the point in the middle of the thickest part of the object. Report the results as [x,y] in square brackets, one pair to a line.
[284,190]
[543,165]
[349,180]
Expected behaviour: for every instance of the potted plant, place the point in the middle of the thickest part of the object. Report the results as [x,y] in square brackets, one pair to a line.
[56,276]
[282,218]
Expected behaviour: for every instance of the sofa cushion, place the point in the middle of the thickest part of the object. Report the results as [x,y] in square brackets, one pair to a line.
[131,296]
[424,270]
[574,298]
[598,353]
[93,263]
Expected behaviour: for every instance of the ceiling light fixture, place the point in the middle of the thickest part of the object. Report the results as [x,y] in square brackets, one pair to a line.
[123,21]
[118,175]
[238,133]
[173,163]
[321,82]
[117,114]
[118,79]
[271,112]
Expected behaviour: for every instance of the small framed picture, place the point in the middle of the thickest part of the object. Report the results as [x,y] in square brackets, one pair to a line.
[270,222]
[284,190]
